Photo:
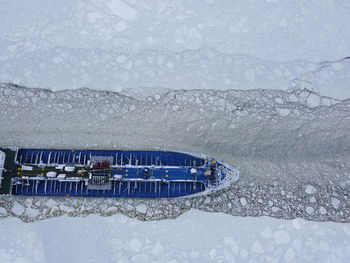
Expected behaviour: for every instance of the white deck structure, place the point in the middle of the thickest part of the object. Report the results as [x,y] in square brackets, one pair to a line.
[2,163]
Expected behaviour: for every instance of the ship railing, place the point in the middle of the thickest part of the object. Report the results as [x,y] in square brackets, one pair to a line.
[150,166]
[76,186]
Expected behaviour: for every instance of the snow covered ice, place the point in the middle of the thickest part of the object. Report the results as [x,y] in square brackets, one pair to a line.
[189,238]
[263,85]
[177,44]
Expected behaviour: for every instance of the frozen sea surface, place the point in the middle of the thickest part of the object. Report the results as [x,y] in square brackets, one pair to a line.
[197,69]
[177,44]
[193,237]
[271,30]
[263,85]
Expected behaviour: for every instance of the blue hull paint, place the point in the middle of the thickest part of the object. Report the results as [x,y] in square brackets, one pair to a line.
[58,156]
[131,189]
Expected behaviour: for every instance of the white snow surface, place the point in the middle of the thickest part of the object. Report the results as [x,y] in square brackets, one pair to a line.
[175,44]
[193,237]
[272,30]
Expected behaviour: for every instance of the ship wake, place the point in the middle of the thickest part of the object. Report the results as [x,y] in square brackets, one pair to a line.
[291,147]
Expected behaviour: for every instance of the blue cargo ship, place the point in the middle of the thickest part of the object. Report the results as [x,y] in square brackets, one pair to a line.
[110,173]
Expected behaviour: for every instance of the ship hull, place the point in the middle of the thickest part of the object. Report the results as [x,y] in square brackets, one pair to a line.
[111,173]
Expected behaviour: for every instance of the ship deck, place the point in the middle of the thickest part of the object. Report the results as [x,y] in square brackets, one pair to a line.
[143,174]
